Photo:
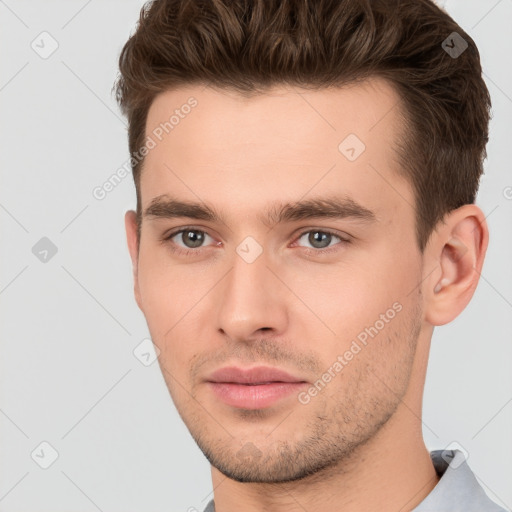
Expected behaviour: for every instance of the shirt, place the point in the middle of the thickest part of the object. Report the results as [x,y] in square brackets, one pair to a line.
[457,490]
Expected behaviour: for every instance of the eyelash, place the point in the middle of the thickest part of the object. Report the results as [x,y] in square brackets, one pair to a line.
[186,252]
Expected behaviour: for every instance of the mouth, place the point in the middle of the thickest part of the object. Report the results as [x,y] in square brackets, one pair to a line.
[253,388]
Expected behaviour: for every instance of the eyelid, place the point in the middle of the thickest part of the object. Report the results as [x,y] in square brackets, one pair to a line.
[339,234]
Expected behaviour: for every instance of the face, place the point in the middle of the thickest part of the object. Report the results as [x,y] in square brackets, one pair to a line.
[285,303]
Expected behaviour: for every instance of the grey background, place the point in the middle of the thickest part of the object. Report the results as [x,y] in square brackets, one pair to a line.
[69,325]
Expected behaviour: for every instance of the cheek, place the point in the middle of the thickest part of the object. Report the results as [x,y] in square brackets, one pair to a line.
[352,296]
[162,299]
[174,301]
[163,286]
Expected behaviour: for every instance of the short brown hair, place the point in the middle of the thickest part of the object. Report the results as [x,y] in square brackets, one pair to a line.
[252,45]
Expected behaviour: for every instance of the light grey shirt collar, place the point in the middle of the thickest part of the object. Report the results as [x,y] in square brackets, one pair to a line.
[457,490]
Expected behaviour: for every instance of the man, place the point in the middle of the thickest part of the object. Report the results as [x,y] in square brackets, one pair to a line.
[306,175]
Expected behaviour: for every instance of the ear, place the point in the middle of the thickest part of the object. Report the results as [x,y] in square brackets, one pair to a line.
[458,247]
[130,222]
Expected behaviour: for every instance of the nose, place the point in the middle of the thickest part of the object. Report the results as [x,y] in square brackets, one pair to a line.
[252,301]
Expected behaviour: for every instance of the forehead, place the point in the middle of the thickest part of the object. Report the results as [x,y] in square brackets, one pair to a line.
[292,112]
[282,144]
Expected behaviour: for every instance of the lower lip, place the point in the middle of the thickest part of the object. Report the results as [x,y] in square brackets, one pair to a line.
[254,397]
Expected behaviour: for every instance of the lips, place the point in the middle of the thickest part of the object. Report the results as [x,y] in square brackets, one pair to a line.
[252,376]
[253,388]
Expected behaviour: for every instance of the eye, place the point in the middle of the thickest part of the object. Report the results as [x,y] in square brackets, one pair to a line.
[320,240]
[189,241]
[192,240]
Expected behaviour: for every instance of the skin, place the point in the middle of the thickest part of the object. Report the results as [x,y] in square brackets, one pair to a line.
[356,445]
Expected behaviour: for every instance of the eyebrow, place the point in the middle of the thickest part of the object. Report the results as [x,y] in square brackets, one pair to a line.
[335,207]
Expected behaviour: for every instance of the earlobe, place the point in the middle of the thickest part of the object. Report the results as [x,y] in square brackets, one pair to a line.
[461,245]
[130,221]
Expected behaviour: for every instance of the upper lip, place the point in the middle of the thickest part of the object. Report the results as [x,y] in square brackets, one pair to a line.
[257,375]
